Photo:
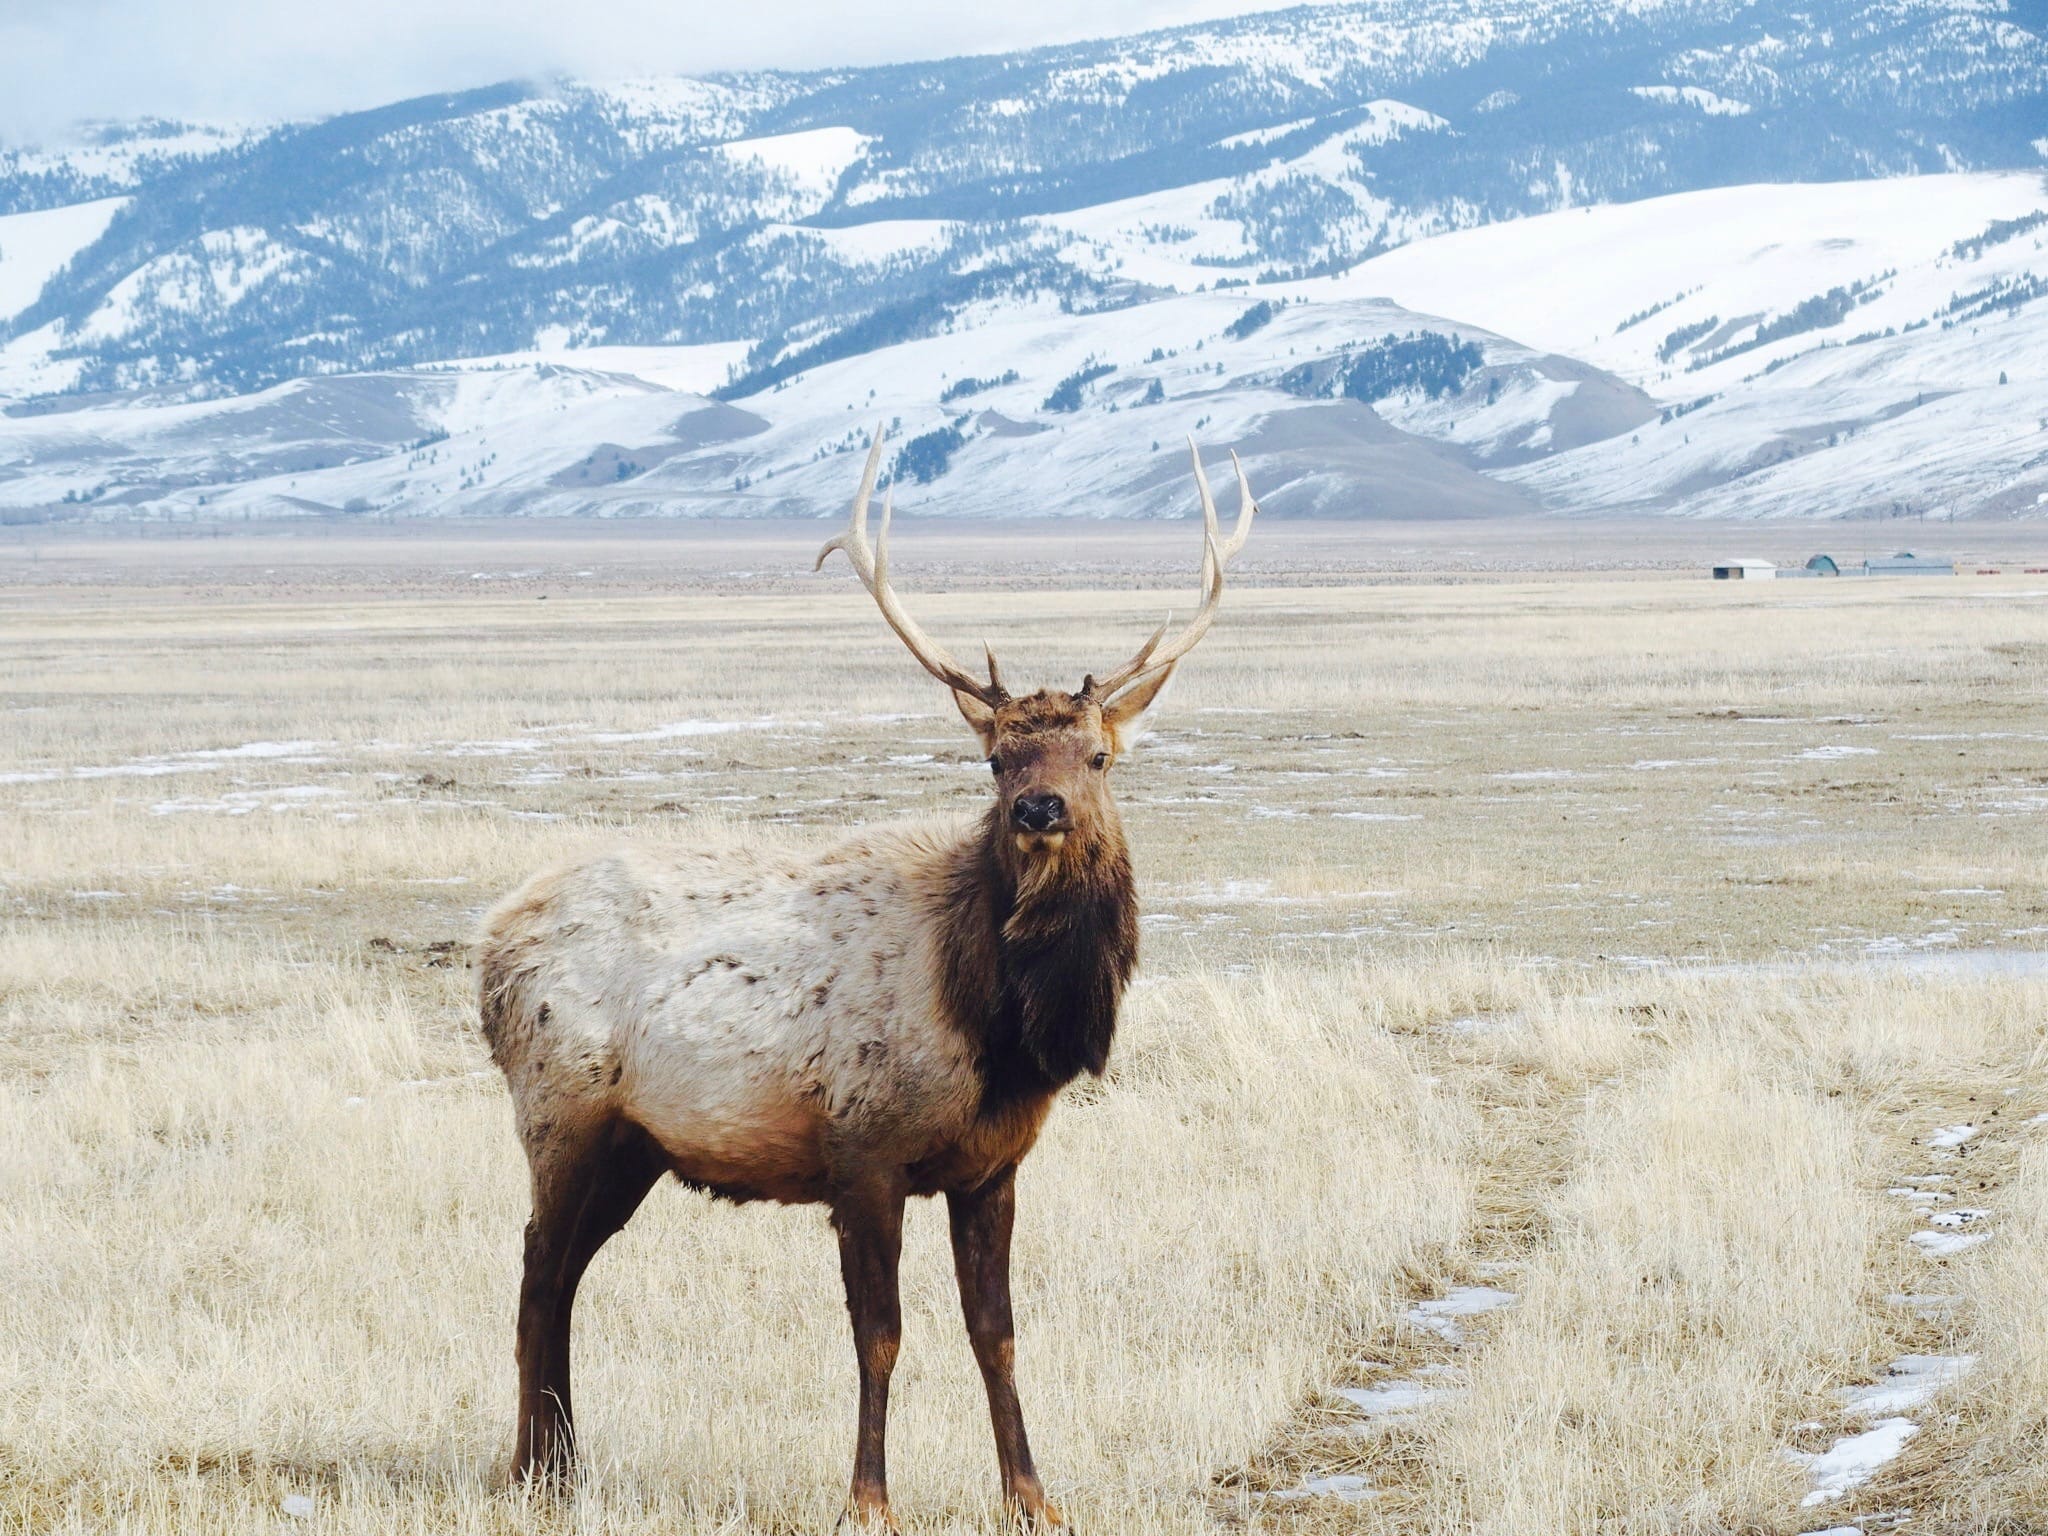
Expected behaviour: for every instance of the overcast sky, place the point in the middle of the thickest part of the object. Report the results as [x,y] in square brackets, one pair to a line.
[61,60]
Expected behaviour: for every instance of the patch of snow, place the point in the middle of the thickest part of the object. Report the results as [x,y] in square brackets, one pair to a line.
[875,243]
[35,246]
[1910,1382]
[1946,1245]
[1263,135]
[1442,1315]
[688,369]
[1692,96]
[241,802]
[1347,1486]
[681,728]
[1951,1136]
[1392,1399]
[297,750]
[1962,1216]
[1482,1023]
[1828,754]
[812,160]
[1853,1460]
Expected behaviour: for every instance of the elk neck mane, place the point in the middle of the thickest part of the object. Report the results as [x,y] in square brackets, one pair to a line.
[1034,954]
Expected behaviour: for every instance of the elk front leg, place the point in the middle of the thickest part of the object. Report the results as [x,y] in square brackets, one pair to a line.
[981,1221]
[869,1218]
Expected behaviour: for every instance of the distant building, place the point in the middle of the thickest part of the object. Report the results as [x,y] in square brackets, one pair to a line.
[1819,565]
[1745,570]
[1906,563]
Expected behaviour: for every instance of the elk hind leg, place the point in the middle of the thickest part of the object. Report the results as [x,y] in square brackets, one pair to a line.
[586,1186]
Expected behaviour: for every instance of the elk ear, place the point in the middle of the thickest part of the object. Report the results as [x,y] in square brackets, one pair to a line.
[1121,712]
[979,716]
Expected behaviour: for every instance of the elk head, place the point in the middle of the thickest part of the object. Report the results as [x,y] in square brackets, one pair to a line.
[1050,751]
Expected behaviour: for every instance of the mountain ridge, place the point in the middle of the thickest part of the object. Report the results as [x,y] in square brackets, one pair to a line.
[475,222]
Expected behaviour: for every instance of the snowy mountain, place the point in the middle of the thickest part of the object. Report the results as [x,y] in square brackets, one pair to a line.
[1849,349]
[1354,239]
[872,203]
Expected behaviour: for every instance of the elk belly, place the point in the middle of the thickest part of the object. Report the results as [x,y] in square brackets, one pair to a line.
[723,1077]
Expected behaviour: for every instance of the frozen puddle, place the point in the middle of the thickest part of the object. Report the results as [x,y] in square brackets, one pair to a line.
[1443,1316]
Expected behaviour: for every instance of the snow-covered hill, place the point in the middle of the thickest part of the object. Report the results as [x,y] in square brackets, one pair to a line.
[1859,349]
[1432,257]
[849,209]
[1019,409]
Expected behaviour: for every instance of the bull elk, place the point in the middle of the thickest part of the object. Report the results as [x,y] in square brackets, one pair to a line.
[890,1016]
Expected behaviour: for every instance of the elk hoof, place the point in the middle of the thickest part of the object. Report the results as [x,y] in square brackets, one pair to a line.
[1034,1513]
[866,1517]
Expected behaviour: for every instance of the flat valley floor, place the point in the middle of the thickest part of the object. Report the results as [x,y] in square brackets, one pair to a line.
[1589,1072]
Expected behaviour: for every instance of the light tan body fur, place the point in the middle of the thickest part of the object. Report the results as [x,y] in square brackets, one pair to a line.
[755,1005]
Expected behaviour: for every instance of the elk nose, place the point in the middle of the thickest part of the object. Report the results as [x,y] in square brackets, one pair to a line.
[1038,813]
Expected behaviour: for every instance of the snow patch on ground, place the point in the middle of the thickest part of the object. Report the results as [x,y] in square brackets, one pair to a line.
[1853,1460]
[1910,1382]
[1348,1486]
[1444,1316]
[1403,1396]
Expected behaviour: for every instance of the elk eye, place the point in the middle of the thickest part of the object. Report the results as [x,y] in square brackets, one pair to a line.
[995,764]
[1101,759]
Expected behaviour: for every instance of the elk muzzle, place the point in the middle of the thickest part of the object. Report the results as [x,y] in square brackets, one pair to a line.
[1039,813]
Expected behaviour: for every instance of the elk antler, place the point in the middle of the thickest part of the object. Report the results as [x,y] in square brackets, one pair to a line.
[871,565]
[1216,554]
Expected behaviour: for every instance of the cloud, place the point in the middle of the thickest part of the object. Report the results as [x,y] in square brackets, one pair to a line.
[62,61]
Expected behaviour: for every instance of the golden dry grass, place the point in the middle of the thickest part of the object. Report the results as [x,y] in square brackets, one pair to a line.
[1512,933]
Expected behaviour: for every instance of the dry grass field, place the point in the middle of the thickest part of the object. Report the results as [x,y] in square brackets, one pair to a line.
[1588,1076]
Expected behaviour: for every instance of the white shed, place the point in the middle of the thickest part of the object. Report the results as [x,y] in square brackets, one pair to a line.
[1745,570]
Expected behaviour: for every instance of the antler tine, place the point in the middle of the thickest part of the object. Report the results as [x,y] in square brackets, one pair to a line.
[1208,505]
[1216,552]
[1246,507]
[1092,689]
[871,564]
[854,541]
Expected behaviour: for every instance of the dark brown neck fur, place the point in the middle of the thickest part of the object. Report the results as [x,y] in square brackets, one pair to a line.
[1036,954]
